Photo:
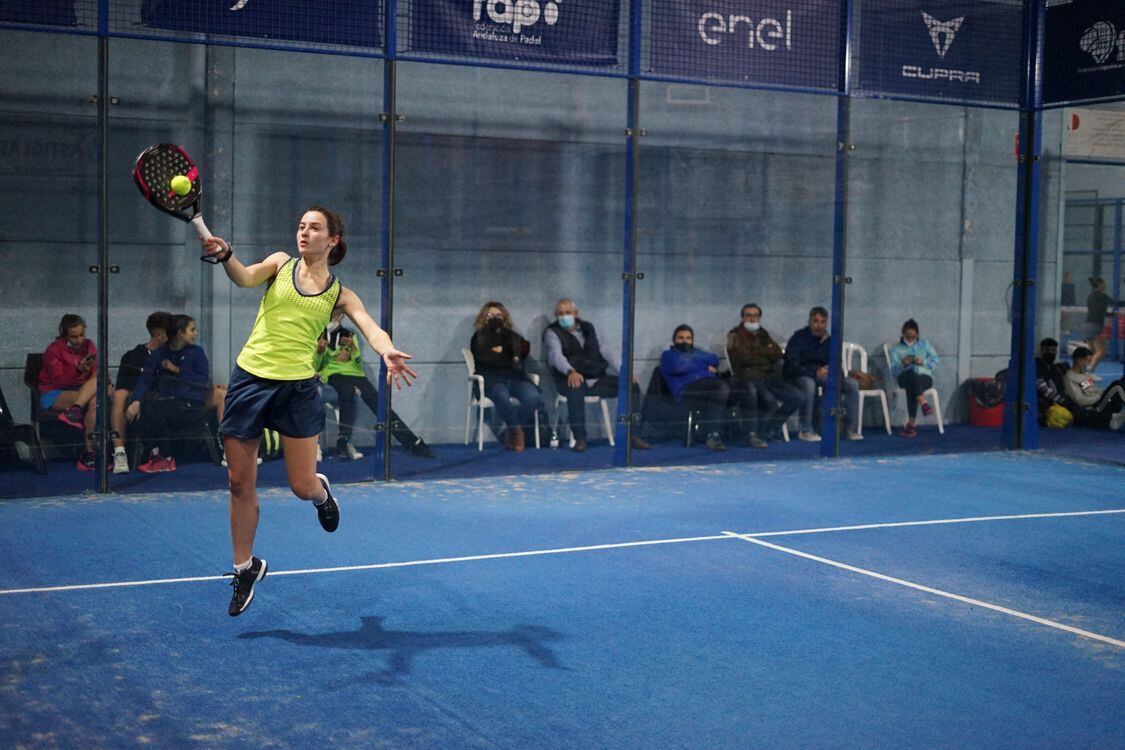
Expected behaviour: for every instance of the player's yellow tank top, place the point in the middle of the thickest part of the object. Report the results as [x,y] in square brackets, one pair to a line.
[282,343]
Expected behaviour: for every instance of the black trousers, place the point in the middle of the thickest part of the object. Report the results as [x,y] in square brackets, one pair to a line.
[605,387]
[915,385]
[708,396]
[347,386]
[162,419]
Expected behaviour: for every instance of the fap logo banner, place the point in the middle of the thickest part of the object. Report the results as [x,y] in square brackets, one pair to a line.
[580,32]
[350,22]
[969,50]
[1084,51]
[783,42]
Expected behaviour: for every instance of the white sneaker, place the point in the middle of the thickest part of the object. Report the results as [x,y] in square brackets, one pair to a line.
[853,435]
[808,436]
[1117,421]
[353,454]
[120,463]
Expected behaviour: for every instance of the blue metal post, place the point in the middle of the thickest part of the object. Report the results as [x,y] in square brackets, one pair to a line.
[830,412]
[386,271]
[1115,290]
[623,434]
[101,428]
[1021,424]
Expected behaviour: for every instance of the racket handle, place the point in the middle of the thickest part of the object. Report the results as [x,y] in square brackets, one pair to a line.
[201,228]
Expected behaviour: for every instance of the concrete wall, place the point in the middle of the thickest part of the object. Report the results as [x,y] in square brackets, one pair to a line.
[509,186]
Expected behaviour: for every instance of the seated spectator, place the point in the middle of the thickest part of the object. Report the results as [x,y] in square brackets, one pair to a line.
[68,382]
[128,373]
[339,363]
[912,363]
[178,374]
[498,354]
[691,377]
[1050,378]
[1093,407]
[580,369]
[754,357]
[806,366]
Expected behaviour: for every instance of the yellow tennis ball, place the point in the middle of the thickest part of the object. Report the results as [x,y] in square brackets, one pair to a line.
[181,185]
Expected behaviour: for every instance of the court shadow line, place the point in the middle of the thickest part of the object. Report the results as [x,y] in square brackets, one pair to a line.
[403,645]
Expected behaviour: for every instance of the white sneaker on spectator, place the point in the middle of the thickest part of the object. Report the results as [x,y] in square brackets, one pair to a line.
[853,435]
[120,463]
[1117,421]
[808,436]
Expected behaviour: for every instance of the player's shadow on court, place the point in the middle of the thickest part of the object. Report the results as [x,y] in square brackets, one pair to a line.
[404,645]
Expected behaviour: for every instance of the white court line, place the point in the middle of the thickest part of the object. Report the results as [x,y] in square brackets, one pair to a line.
[556,551]
[929,590]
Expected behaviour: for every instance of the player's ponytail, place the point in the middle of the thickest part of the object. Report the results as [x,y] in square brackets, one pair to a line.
[335,229]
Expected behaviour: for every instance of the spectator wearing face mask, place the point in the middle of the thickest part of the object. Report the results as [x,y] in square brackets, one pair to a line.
[754,356]
[499,353]
[1094,407]
[580,369]
[690,374]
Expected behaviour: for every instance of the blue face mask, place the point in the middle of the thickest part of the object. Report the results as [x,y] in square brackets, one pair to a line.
[566,321]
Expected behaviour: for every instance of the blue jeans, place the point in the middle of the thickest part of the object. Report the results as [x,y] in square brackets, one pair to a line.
[808,386]
[503,390]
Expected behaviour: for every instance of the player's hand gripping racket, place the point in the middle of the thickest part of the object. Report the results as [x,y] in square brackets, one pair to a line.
[160,169]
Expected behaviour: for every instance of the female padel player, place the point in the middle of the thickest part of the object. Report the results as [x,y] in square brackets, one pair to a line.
[272,385]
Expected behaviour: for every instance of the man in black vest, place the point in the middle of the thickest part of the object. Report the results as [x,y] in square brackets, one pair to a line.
[580,369]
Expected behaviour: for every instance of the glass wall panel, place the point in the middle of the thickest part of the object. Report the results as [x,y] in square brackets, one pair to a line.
[931,202]
[735,227]
[48,241]
[1083,233]
[266,152]
[509,189]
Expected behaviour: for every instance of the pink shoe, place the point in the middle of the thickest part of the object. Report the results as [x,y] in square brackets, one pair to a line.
[86,463]
[156,465]
[927,409]
[909,431]
[73,416]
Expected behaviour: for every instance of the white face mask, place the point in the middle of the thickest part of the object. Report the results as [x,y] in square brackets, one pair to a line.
[566,321]
[752,327]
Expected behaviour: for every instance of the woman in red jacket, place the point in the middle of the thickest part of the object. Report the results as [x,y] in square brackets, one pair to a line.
[69,381]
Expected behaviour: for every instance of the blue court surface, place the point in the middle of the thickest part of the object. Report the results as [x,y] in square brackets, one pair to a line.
[944,601]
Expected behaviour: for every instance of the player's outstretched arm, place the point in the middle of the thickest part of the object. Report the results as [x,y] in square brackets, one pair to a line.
[242,275]
[397,370]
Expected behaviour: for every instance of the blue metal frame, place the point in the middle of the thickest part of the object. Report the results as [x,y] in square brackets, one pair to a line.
[1021,425]
[830,442]
[382,453]
[623,432]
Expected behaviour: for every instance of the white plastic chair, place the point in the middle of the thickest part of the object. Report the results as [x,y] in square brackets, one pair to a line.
[930,393]
[730,368]
[481,402]
[850,350]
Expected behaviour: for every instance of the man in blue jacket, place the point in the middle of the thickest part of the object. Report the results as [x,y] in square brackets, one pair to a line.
[806,366]
[690,374]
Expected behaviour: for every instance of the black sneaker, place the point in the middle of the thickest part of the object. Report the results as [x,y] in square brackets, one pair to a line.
[421,450]
[329,511]
[243,584]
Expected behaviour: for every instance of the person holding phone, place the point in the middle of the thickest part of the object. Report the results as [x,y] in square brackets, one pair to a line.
[68,382]
[912,364]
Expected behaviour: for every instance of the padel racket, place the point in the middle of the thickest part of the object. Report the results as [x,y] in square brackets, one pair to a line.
[153,173]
